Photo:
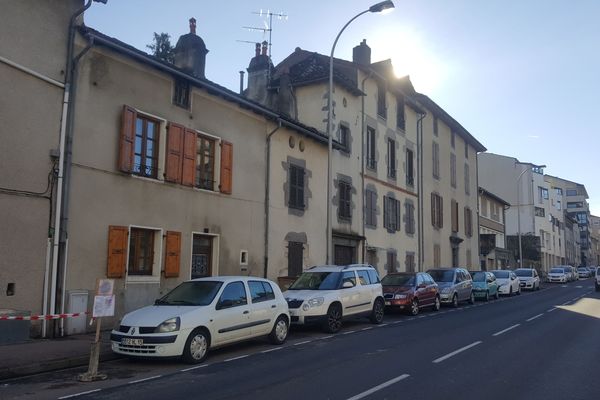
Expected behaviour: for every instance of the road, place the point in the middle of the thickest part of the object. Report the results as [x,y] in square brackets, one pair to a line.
[540,345]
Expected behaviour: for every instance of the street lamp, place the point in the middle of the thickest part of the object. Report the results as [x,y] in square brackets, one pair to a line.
[519,207]
[375,8]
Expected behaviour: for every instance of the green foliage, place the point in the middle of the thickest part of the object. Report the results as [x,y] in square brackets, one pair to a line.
[161,47]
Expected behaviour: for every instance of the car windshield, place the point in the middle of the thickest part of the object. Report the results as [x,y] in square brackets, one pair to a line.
[501,274]
[192,293]
[442,275]
[398,280]
[582,269]
[478,276]
[523,272]
[316,281]
[557,271]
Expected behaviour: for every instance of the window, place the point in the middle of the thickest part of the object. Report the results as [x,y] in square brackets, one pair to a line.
[260,291]
[391,148]
[345,199]
[571,192]
[484,206]
[409,217]
[141,251]
[436,256]
[363,277]
[233,295]
[344,136]
[373,277]
[145,159]
[181,94]
[201,256]
[435,126]
[296,187]
[453,139]
[391,214]
[371,208]
[466,150]
[348,276]
[295,258]
[453,170]
[467,180]
[205,162]
[558,205]
[381,108]
[469,260]
[371,161]
[454,214]
[400,122]
[542,194]
[435,154]
[409,262]
[437,211]
[391,261]
[468,222]
[558,192]
[577,204]
[410,173]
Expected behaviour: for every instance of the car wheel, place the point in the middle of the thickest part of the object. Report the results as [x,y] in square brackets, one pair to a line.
[437,304]
[377,312]
[487,296]
[333,321]
[414,307]
[472,299]
[497,296]
[519,291]
[455,301]
[510,292]
[280,330]
[196,346]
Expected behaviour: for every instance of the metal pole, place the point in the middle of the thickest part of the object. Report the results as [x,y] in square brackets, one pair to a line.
[519,219]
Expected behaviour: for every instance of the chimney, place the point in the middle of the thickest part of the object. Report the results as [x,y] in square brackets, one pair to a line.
[190,52]
[361,54]
[258,74]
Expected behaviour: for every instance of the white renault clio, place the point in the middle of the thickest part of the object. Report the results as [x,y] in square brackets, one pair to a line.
[201,314]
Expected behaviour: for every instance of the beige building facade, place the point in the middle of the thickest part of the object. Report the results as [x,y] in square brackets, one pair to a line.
[492,233]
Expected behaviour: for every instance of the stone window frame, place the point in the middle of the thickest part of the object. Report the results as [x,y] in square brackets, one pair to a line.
[340,182]
[371,213]
[301,164]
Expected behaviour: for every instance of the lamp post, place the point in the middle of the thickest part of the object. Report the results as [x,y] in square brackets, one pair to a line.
[379,7]
[519,208]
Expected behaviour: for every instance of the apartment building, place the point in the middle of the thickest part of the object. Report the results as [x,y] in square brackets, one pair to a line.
[492,232]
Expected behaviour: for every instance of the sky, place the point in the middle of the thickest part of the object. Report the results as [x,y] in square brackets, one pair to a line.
[523,77]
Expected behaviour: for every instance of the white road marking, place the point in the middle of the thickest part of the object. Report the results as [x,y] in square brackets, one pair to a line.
[564,286]
[532,318]
[79,394]
[144,379]
[368,328]
[566,302]
[300,343]
[273,349]
[347,333]
[382,325]
[325,337]
[395,322]
[379,387]
[196,367]
[552,309]
[455,352]
[236,358]
[579,287]
[505,330]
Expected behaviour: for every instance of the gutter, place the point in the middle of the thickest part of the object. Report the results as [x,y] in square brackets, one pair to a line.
[362,159]
[267,197]
[421,236]
[32,72]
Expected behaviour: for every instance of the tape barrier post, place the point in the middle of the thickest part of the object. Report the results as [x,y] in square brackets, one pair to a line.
[104,306]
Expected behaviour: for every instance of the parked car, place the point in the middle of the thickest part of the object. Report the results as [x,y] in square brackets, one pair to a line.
[455,285]
[325,295]
[484,285]
[597,279]
[508,282]
[592,269]
[558,274]
[529,278]
[570,272]
[410,291]
[584,272]
[201,314]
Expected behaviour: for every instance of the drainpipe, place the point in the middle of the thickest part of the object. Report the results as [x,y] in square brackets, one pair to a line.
[362,161]
[421,244]
[267,197]
[478,225]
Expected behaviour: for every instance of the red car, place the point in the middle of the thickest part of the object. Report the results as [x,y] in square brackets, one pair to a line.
[410,291]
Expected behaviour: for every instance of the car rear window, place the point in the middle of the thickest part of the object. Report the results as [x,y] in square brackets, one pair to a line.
[523,272]
[260,291]
[442,275]
[479,277]
[501,274]
[398,280]
[373,277]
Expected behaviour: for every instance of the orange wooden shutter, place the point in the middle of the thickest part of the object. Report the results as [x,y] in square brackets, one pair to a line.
[174,153]
[173,258]
[117,251]
[127,141]
[226,167]
[188,176]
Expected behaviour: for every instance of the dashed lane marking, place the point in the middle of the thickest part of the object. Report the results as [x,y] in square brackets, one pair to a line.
[506,330]
[379,387]
[532,318]
[236,358]
[300,343]
[196,367]
[273,349]
[552,309]
[368,328]
[347,333]
[144,379]
[79,394]
[455,352]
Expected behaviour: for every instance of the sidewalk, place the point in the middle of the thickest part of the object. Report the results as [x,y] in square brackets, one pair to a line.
[43,355]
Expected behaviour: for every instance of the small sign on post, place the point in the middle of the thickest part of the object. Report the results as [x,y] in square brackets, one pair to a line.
[104,306]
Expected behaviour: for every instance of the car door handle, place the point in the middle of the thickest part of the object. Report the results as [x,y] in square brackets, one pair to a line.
[274,306]
[246,312]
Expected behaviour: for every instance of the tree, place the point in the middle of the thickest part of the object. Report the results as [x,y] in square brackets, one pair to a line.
[161,47]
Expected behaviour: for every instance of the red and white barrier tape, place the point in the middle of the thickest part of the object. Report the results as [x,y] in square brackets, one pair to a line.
[41,317]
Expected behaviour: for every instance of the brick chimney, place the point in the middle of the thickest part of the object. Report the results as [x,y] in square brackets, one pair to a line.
[190,52]
[258,74]
[361,54]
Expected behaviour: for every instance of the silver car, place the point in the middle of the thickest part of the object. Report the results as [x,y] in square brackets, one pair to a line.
[455,285]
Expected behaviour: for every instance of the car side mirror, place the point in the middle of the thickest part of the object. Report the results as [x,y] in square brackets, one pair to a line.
[347,284]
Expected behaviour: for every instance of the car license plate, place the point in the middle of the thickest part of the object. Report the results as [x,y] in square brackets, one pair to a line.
[132,342]
[387,303]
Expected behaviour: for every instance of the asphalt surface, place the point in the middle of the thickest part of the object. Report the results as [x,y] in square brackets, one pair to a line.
[540,345]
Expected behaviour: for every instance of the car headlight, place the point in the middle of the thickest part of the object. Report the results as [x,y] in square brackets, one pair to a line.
[170,325]
[400,296]
[314,302]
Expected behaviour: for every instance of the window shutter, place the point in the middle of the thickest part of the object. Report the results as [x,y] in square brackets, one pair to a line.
[441,202]
[117,251]
[226,167]
[188,166]
[398,214]
[127,140]
[174,153]
[173,257]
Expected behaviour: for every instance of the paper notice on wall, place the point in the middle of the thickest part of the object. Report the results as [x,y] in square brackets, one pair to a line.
[104,306]
[105,287]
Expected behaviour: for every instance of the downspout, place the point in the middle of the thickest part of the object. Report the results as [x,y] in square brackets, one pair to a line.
[267,197]
[477,199]
[61,161]
[421,243]
[362,161]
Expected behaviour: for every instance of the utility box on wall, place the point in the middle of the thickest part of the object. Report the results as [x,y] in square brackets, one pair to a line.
[14,331]
[78,303]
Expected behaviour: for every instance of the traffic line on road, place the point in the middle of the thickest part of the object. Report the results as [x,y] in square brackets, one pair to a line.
[301,343]
[192,368]
[505,330]
[379,387]
[552,309]
[236,358]
[347,333]
[144,379]
[325,337]
[79,394]
[382,325]
[368,328]
[273,349]
[532,318]
[455,352]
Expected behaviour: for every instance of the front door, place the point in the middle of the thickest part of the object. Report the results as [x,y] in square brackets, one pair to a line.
[344,255]
[201,256]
